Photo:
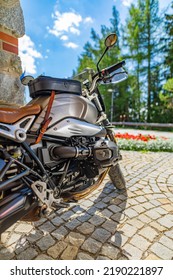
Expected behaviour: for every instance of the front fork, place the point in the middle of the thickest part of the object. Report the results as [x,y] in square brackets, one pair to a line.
[111,134]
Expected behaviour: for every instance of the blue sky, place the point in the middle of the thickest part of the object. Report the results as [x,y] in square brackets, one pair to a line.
[56,31]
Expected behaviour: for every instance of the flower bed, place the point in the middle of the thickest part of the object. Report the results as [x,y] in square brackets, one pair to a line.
[141,142]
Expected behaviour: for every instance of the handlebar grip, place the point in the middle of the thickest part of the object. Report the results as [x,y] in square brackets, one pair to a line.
[114,67]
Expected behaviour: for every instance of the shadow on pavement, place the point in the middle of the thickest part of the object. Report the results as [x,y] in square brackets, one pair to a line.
[94,221]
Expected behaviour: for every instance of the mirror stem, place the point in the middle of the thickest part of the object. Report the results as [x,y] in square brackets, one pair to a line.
[101,58]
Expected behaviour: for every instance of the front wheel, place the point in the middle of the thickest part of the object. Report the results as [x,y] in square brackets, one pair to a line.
[117,177]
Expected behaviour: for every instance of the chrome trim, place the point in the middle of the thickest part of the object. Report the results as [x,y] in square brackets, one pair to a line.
[73,127]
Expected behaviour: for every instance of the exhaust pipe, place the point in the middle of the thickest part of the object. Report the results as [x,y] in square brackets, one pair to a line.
[15,206]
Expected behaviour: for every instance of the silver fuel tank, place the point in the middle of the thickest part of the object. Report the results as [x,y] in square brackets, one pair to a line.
[66,106]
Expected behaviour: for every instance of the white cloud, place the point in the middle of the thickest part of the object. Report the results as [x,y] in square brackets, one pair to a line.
[64,37]
[28,54]
[88,20]
[126,3]
[65,22]
[74,30]
[71,45]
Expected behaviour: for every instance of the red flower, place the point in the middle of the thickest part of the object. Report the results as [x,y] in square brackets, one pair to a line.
[140,137]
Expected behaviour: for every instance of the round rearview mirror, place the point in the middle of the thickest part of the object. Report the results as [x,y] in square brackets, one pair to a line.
[25,80]
[110,40]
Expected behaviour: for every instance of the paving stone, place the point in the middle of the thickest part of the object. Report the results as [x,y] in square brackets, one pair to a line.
[34,236]
[166,222]
[15,237]
[145,219]
[157,226]
[75,239]
[152,257]
[4,237]
[83,218]
[77,209]
[97,220]
[153,214]
[92,210]
[119,217]
[91,245]
[101,234]
[132,252]
[167,242]
[136,223]
[164,201]
[128,230]
[106,213]
[161,211]
[140,242]
[115,208]
[161,251]
[5,254]
[40,222]
[21,246]
[148,233]
[110,226]
[141,199]
[87,204]
[45,242]
[169,233]
[24,228]
[110,251]
[100,205]
[147,205]
[28,254]
[102,258]
[60,233]
[57,221]
[43,257]
[155,202]
[84,256]
[118,239]
[131,213]
[86,228]
[133,202]
[122,257]
[116,201]
[107,199]
[167,207]
[73,224]
[139,209]
[56,250]
[70,253]
[47,227]
[67,215]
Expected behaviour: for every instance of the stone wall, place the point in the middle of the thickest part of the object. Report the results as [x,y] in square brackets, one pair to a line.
[11,28]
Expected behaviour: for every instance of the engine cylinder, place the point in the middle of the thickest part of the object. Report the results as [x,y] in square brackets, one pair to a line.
[69,152]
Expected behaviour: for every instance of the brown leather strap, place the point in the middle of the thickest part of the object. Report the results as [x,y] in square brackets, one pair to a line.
[47,119]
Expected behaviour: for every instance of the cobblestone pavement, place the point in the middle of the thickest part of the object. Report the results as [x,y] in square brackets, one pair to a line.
[109,224]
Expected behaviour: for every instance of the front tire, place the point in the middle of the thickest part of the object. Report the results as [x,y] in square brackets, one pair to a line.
[117,177]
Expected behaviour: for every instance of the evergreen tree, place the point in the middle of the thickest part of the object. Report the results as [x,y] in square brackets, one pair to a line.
[91,55]
[169,42]
[142,39]
[132,37]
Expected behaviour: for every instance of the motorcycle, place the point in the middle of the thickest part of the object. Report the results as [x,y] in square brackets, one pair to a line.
[59,147]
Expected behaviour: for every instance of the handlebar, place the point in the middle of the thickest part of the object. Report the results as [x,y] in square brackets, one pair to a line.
[107,71]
